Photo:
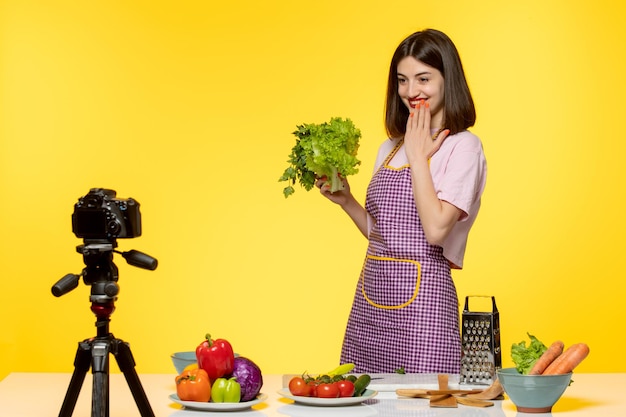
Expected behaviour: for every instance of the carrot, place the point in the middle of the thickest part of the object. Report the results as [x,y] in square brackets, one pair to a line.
[547,358]
[568,360]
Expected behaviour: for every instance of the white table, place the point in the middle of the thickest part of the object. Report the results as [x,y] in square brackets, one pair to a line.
[41,395]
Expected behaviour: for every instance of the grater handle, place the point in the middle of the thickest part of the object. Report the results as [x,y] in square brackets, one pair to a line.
[493,302]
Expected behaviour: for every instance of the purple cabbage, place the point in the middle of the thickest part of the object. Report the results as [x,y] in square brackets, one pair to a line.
[249,377]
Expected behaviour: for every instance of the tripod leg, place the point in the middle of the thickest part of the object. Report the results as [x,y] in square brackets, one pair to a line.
[82,361]
[126,363]
[100,368]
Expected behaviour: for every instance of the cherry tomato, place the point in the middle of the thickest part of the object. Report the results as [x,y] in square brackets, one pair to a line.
[298,387]
[313,388]
[346,388]
[328,390]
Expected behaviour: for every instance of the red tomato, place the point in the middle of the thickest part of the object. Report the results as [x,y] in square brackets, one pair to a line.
[346,388]
[298,387]
[328,390]
[313,388]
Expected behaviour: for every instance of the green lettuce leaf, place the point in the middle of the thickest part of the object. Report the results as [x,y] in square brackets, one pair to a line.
[525,357]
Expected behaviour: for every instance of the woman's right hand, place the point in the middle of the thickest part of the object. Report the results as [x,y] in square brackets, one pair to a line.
[340,197]
[348,203]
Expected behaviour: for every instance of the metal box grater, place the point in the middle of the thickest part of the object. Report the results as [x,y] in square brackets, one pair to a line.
[481,353]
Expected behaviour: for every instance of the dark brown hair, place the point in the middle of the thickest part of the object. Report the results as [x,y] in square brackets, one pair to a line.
[435,49]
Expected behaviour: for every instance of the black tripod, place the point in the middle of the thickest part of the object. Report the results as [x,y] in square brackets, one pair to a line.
[94,353]
[101,273]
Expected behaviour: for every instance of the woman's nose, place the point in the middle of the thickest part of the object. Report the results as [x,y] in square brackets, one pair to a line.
[414,90]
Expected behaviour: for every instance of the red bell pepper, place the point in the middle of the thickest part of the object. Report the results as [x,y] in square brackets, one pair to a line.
[216,357]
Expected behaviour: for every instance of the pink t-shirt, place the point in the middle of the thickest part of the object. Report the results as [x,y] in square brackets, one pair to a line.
[459,172]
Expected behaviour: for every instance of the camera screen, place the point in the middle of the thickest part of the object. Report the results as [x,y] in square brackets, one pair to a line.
[91,223]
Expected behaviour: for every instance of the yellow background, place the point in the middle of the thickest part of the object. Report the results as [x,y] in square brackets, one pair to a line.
[188,107]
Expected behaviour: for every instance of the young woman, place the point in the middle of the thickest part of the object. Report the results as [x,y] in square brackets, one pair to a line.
[421,203]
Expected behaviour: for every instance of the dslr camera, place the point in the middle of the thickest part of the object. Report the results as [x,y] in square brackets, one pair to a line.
[99,215]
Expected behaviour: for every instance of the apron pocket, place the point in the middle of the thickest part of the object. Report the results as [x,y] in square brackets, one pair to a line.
[390,283]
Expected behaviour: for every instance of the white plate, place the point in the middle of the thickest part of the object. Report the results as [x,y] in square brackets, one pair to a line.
[196,405]
[328,402]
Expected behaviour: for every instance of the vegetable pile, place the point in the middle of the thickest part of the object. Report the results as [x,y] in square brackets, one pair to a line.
[326,150]
[219,376]
[538,359]
[333,384]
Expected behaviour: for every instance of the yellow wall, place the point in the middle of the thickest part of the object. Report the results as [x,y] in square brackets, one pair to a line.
[188,106]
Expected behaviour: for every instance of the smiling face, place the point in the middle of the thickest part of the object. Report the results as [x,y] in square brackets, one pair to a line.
[418,81]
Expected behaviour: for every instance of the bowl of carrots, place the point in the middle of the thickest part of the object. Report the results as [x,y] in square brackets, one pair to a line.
[533,393]
[537,390]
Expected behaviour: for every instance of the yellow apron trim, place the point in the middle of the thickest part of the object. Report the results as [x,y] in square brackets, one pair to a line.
[390,157]
[392,307]
[395,150]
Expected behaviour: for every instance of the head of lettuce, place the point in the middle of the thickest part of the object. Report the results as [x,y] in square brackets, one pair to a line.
[322,150]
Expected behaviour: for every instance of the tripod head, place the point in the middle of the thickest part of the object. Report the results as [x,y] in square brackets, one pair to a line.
[100,218]
[100,271]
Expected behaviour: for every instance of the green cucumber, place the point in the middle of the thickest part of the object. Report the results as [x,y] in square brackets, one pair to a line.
[361,384]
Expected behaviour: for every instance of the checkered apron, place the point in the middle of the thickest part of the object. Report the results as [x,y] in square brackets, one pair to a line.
[405,309]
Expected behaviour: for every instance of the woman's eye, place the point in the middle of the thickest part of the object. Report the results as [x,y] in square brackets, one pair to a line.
[401,81]
[423,80]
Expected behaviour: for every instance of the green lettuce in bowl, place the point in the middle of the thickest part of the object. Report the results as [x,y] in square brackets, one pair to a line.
[524,357]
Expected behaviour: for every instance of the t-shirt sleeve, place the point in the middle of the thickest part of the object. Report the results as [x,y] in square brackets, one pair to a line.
[461,180]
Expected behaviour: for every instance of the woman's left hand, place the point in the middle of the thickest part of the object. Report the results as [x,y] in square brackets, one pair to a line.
[418,141]
[437,216]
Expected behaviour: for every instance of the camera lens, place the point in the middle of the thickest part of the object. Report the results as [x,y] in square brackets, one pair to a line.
[114,227]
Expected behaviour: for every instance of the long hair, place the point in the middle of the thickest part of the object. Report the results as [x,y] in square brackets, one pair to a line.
[435,49]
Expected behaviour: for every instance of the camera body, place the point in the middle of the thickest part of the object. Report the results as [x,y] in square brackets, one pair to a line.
[100,215]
